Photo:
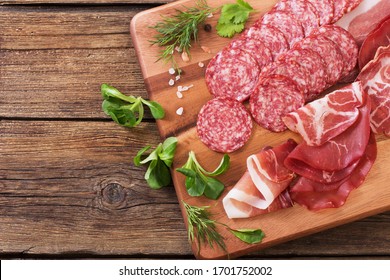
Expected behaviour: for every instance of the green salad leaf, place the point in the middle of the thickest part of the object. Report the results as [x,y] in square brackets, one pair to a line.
[250,236]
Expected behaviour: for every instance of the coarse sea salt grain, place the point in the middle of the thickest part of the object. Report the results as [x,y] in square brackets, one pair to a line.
[171,82]
[179,94]
[177,77]
[201,64]
[180,111]
[171,71]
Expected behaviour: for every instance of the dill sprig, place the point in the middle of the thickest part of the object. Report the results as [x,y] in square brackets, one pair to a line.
[179,30]
[202,227]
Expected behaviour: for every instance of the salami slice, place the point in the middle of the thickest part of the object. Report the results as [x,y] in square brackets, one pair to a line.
[232,73]
[315,67]
[224,125]
[325,10]
[270,36]
[255,48]
[340,7]
[329,52]
[285,22]
[303,11]
[274,97]
[351,5]
[346,43]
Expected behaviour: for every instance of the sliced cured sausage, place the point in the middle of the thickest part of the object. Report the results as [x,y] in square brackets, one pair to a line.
[255,48]
[329,52]
[340,7]
[232,73]
[303,11]
[274,97]
[345,42]
[285,22]
[324,9]
[224,125]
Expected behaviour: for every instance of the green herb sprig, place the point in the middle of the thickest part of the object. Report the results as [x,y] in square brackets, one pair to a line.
[179,30]
[233,18]
[204,229]
[126,110]
[160,160]
[199,181]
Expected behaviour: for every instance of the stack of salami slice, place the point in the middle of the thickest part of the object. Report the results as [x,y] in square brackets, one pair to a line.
[284,60]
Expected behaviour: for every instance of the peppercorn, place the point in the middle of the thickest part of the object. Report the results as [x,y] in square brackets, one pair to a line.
[207,27]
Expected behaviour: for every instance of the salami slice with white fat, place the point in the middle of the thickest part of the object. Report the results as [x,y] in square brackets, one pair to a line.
[303,12]
[224,125]
[286,23]
[274,97]
[329,52]
[255,48]
[346,43]
[325,10]
[232,73]
[340,7]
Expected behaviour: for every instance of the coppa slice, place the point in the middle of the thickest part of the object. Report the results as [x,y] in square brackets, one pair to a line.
[323,119]
[346,43]
[232,73]
[224,125]
[303,12]
[274,97]
[285,22]
[317,196]
[263,187]
[324,9]
[329,52]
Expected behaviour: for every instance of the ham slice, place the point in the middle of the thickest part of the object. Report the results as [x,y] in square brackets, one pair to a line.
[331,115]
[375,78]
[263,186]
[316,196]
[362,20]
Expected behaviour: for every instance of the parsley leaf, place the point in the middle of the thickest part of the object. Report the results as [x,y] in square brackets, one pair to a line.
[233,18]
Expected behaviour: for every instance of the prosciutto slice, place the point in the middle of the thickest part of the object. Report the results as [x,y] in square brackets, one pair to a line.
[324,163]
[331,115]
[375,78]
[316,196]
[263,186]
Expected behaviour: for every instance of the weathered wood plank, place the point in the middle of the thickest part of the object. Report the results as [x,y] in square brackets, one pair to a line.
[71,187]
[90,2]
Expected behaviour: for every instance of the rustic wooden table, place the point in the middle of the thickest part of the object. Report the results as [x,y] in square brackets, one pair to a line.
[68,188]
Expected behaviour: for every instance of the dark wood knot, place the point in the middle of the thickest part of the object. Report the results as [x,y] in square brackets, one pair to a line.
[113,195]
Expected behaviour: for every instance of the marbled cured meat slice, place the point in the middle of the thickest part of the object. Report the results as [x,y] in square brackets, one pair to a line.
[274,97]
[336,154]
[263,186]
[329,52]
[340,7]
[317,196]
[324,9]
[270,36]
[315,67]
[285,22]
[346,43]
[232,73]
[224,125]
[323,119]
[255,48]
[303,11]
[375,78]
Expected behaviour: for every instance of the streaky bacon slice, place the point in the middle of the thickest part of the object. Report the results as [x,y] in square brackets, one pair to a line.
[334,155]
[375,78]
[323,119]
[262,184]
[317,196]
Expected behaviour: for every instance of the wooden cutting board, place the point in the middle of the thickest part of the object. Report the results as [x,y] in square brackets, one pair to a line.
[371,198]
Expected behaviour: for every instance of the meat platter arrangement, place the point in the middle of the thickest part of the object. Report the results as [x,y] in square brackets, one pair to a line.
[300,104]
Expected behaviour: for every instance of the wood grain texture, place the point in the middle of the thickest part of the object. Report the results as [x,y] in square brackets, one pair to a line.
[278,226]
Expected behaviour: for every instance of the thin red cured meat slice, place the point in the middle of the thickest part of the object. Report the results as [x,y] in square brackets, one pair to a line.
[362,20]
[317,196]
[329,52]
[324,9]
[232,73]
[255,48]
[263,186]
[340,8]
[303,11]
[375,77]
[315,67]
[323,119]
[336,154]
[274,97]
[285,22]
[224,125]
[346,43]
[351,5]
[270,36]
[376,38]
